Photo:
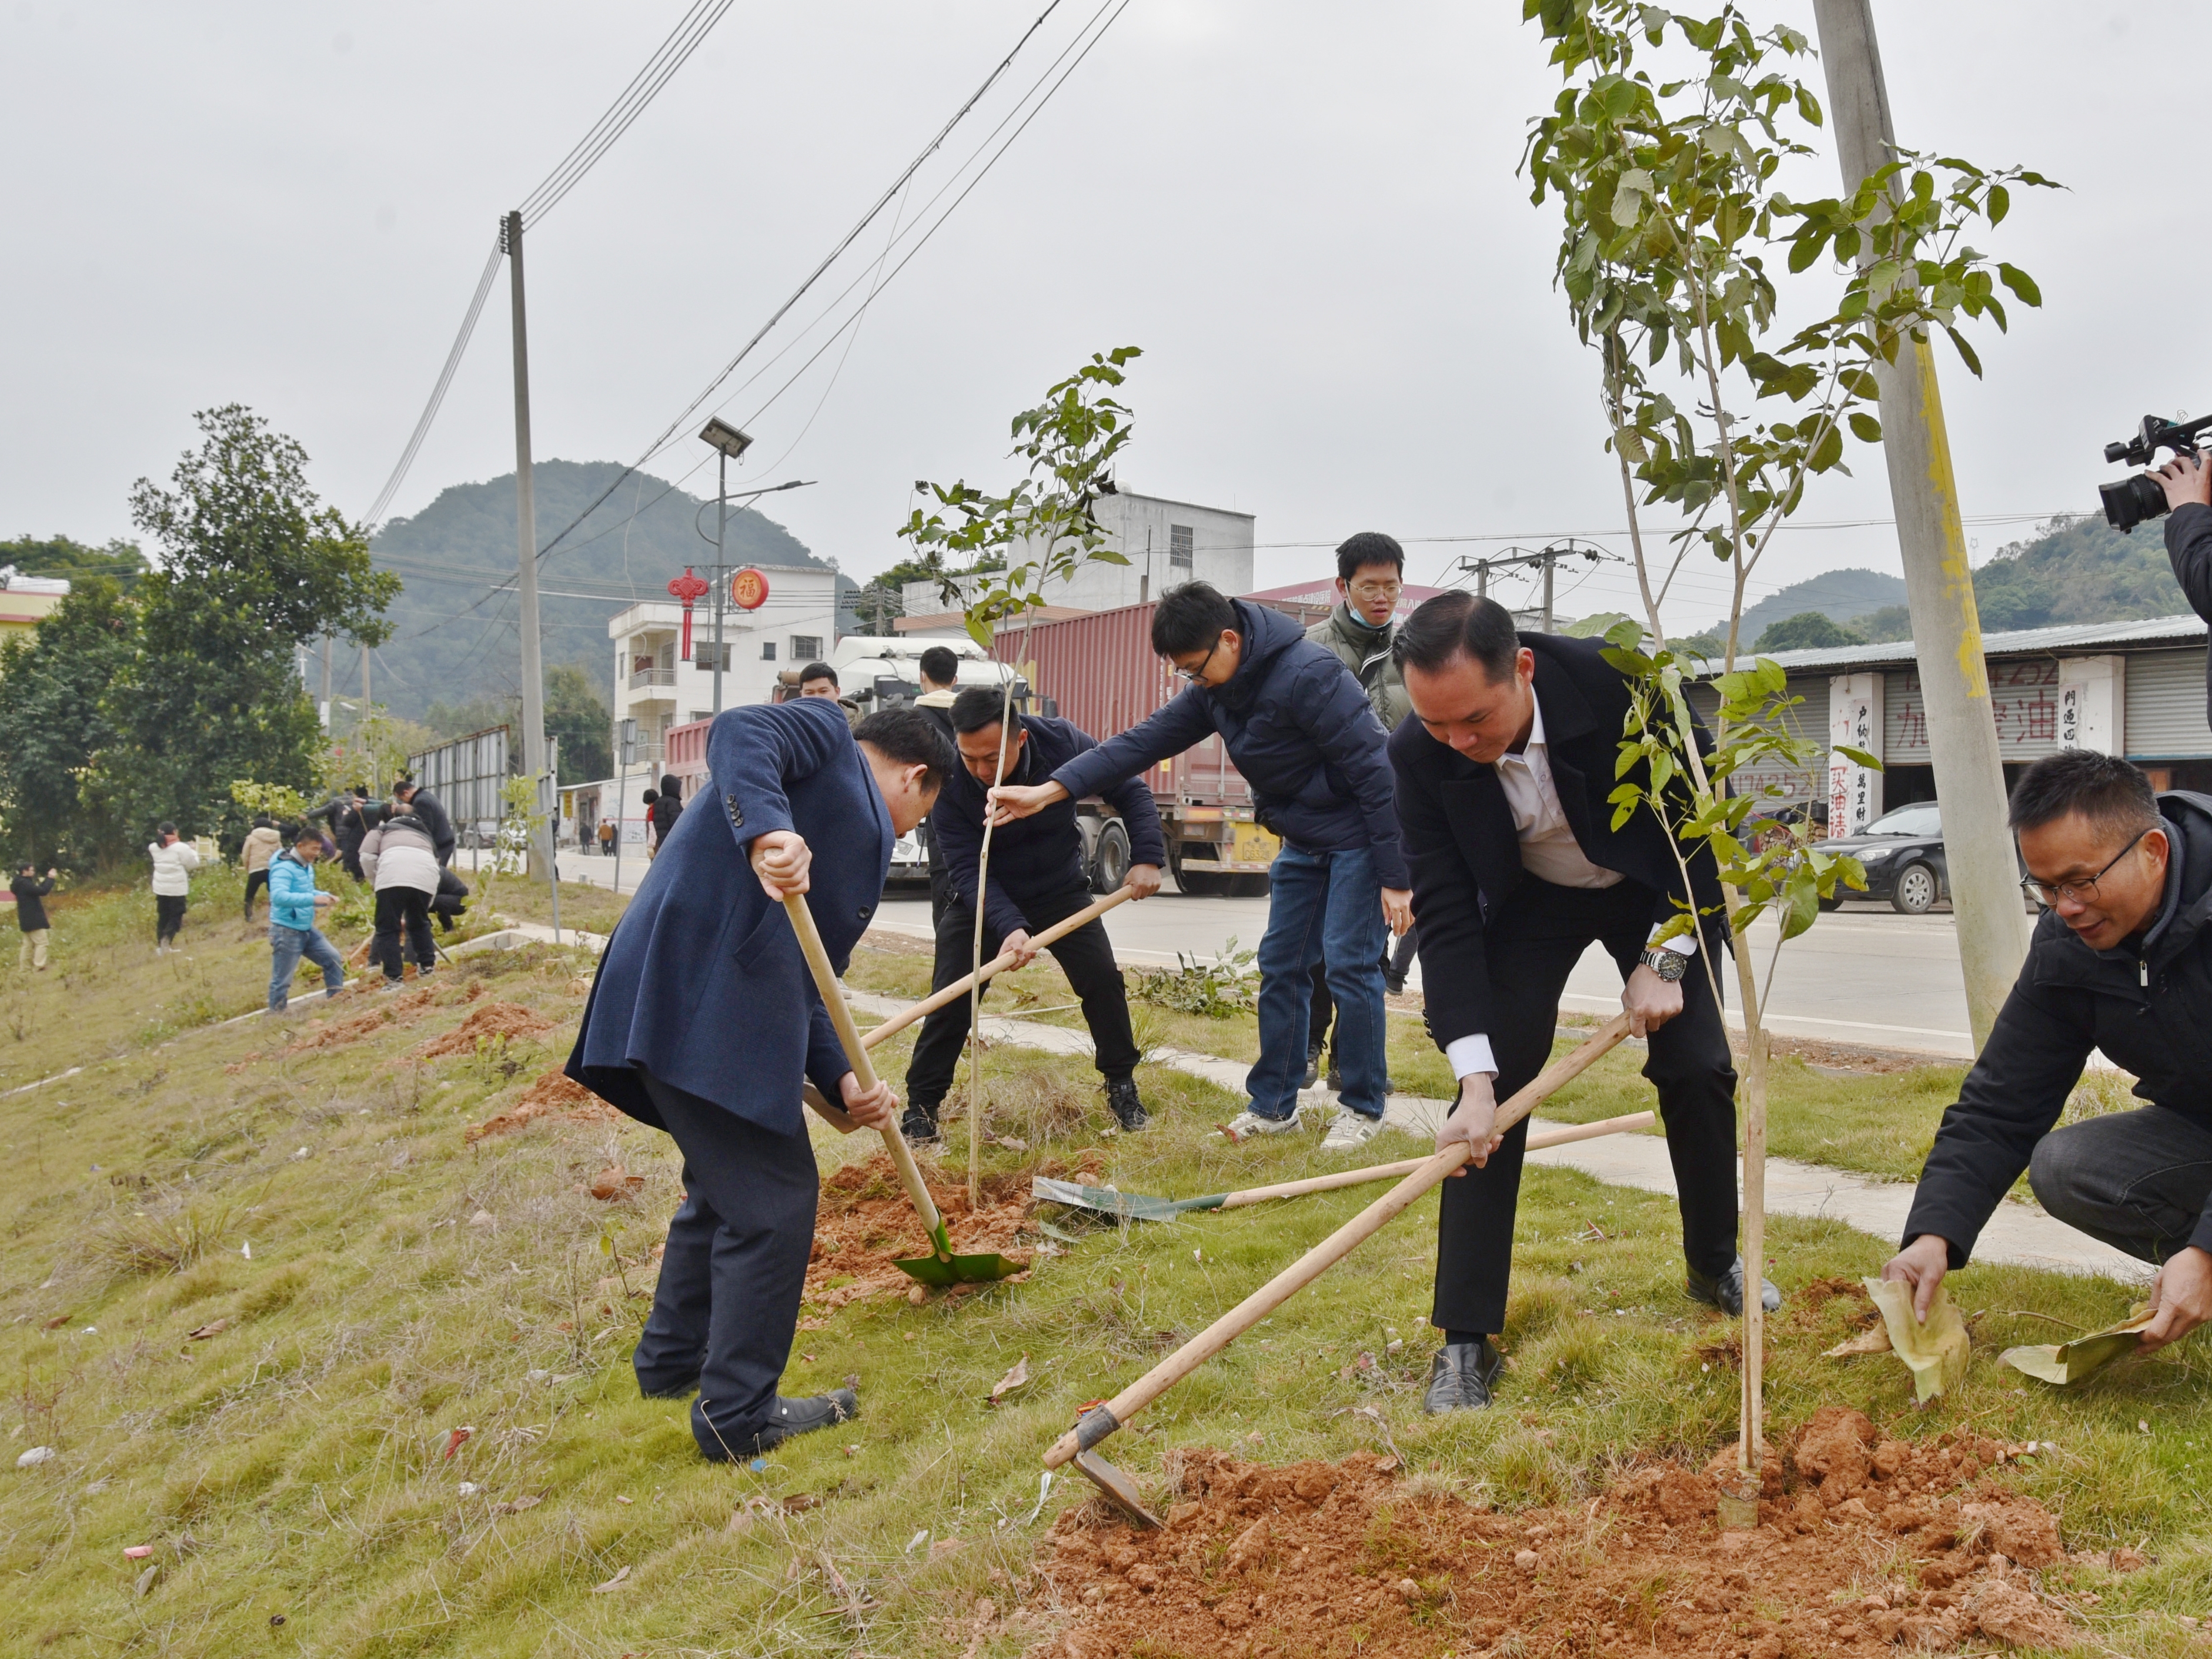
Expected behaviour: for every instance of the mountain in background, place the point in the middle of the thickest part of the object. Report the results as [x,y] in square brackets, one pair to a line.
[454,638]
[2071,570]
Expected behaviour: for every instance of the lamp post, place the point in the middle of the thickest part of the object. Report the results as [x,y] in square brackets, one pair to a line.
[728,443]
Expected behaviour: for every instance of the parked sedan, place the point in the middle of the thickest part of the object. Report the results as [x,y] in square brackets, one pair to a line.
[1903,853]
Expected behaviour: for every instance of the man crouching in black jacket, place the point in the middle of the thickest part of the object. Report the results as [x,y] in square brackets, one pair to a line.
[2121,960]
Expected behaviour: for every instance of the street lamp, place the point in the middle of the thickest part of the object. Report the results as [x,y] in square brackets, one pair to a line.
[728,444]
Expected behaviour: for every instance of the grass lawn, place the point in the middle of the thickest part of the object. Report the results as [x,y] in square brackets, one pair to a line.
[250,1291]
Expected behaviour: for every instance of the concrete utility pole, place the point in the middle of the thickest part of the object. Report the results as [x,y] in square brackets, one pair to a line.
[721,566]
[1939,581]
[329,648]
[526,519]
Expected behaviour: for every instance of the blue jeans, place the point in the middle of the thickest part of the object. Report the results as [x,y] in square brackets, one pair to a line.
[1324,907]
[286,946]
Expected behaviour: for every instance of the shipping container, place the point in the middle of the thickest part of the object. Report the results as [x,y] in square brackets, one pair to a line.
[1099,673]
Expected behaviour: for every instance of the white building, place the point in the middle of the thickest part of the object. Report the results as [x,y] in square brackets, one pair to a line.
[658,687]
[1166,542]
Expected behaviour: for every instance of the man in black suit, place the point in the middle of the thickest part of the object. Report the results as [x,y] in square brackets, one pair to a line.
[1503,778]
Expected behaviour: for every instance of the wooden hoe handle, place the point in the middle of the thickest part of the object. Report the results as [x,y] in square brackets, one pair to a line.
[1102,1420]
[856,1055]
[1559,1136]
[960,988]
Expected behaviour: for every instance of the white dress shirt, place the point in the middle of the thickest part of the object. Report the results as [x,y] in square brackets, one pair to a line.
[1549,852]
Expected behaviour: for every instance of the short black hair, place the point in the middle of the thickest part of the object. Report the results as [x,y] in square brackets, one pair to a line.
[1369,547]
[2103,788]
[820,671]
[650,796]
[165,828]
[940,666]
[1458,624]
[977,708]
[911,737]
[1190,617]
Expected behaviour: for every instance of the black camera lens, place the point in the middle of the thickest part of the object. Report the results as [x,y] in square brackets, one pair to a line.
[2132,500]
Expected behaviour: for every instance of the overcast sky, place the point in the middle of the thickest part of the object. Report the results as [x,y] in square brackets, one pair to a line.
[1307,214]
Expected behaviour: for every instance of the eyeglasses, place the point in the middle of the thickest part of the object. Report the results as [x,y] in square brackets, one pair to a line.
[1376,590]
[1193,674]
[2051,893]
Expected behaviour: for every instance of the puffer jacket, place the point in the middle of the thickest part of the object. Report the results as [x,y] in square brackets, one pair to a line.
[173,867]
[291,892]
[2149,1007]
[1299,728]
[1366,651]
[261,845]
[399,852]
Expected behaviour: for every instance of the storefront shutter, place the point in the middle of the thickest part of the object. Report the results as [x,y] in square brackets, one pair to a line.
[2166,707]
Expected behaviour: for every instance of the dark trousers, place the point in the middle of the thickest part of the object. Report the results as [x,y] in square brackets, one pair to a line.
[940,894]
[733,1271]
[256,880]
[168,916]
[2139,1180]
[397,908]
[1533,941]
[1086,955]
[1395,961]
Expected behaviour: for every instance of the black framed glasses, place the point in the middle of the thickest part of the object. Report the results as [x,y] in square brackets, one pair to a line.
[2049,894]
[1192,674]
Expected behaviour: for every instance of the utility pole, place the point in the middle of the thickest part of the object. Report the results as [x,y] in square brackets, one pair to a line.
[1548,558]
[721,569]
[330,647]
[1939,581]
[526,517]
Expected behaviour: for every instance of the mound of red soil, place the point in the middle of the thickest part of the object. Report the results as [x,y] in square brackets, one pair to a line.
[551,1094]
[1863,1545]
[487,1020]
[866,1223]
[371,1020]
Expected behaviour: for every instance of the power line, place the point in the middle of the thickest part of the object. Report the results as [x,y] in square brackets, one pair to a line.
[644,87]
[816,275]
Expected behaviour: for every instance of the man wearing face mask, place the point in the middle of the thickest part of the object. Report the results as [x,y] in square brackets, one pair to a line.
[1503,775]
[2121,960]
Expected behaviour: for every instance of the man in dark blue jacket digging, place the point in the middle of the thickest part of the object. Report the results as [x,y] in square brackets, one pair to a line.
[1298,726]
[704,1022]
[1036,880]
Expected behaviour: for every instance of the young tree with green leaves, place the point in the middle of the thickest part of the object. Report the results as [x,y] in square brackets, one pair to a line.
[253,566]
[995,556]
[1666,188]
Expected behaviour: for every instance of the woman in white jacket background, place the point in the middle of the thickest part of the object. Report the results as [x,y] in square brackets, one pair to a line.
[174,861]
[400,860]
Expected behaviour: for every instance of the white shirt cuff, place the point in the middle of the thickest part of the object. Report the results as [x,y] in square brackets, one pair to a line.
[1682,945]
[1468,1054]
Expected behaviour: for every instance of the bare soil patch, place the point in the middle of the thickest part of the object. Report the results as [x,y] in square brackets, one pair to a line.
[487,1021]
[551,1094]
[866,1223]
[1865,1546]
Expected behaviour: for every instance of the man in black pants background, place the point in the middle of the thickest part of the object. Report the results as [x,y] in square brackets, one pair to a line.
[940,676]
[1036,880]
[1503,778]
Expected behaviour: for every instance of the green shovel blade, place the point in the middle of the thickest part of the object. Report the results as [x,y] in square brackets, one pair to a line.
[945,1268]
[1135,1207]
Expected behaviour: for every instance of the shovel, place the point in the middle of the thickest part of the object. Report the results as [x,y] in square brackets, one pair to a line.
[1076,1445]
[942,1267]
[1136,1206]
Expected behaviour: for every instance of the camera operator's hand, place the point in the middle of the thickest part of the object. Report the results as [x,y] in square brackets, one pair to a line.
[2185,478]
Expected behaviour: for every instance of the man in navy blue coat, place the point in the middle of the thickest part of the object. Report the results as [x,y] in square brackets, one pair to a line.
[704,1022]
[1037,878]
[1299,728]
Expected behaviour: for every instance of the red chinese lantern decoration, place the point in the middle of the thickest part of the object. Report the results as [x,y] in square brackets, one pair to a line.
[747,589]
[687,588]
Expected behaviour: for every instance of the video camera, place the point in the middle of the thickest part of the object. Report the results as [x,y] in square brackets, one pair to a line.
[2132,500]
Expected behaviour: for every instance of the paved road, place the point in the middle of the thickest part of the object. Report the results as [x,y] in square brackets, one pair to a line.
[1864,974]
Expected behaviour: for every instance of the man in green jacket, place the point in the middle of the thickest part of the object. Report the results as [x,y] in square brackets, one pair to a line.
[1370,577]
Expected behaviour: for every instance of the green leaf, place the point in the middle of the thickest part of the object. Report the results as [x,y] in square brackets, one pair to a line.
[1807,105]
[2022,285]
[1965,352]
[1826,452]
[1865,427]
[1858,756]
[1998,203]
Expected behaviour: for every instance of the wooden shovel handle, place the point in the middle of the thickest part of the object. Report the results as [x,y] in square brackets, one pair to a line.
[856,1057]
[1103,1420]
[960,988]
[1537,1142]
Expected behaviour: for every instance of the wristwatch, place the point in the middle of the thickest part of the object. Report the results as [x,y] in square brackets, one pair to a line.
[1669,965]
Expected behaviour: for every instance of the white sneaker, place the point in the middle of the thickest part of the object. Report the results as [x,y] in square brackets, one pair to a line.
[1347,1130]
[1247,1124]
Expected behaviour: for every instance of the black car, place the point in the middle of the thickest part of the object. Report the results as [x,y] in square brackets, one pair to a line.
[1903,853]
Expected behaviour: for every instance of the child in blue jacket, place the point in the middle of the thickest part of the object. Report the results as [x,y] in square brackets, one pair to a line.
[293,901]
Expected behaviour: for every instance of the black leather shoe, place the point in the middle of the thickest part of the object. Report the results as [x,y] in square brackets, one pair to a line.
[1726,1292]
[1394,984]
[789,1417]
[1313,1067]
[1127,1107]
[919,1125]
[1461,1378]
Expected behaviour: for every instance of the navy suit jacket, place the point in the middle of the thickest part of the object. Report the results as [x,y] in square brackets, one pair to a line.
[703,984]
